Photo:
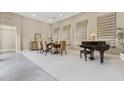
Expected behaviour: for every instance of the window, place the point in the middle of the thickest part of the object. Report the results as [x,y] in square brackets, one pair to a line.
[81,34]
[106,26]
[7,18]
[66,33]
[56,34]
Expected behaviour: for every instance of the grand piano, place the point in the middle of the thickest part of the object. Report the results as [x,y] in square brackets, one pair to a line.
[100,46]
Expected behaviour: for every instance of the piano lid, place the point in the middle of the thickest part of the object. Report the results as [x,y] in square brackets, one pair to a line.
[93,42]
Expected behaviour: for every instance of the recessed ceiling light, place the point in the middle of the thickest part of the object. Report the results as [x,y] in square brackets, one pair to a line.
[53,17]
[34,15]
[60,14]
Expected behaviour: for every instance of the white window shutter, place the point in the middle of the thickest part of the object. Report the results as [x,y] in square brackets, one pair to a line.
[66,33]
[56,34]
[81,34]
[7,18]
[106,28]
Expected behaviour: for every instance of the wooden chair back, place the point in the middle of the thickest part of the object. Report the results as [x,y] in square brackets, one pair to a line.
[63,44]
[44,45]
[56,42]
[39,44]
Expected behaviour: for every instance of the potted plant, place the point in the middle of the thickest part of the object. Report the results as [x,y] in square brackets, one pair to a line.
[120,36]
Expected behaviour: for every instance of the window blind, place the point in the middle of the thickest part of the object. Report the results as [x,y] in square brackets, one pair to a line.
[66,33]
[7,18]
[81,34]
[56,34]
[106,28]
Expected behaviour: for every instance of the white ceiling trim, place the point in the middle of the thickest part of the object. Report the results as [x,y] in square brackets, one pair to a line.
[48,17]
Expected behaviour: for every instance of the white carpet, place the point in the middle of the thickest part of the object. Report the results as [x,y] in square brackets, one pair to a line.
[71,67]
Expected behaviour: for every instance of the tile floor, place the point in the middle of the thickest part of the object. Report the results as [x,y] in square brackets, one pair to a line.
[71,67]
[31,66]
[16,67]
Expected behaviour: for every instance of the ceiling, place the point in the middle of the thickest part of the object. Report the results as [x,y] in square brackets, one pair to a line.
[48,17]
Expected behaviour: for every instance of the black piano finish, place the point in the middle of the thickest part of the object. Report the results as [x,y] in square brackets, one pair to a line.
[100,46]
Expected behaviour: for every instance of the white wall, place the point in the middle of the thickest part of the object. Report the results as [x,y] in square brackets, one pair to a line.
[7,39]
[30,27]
[92,23]
[120,19]
[25,29]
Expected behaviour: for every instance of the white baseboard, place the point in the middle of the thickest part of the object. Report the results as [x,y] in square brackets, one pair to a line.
[6,50]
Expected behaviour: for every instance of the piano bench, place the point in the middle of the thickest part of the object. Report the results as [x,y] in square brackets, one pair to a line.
[85,52]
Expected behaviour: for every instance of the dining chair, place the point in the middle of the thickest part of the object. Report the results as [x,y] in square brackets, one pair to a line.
[56,42]
[45,48]
[62,47]
[40,46]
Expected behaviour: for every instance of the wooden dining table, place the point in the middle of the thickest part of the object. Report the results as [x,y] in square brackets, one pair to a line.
[56,47]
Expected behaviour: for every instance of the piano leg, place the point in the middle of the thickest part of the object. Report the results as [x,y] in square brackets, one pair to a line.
[101,56]
[80,53]
[85,55]
[91,55]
